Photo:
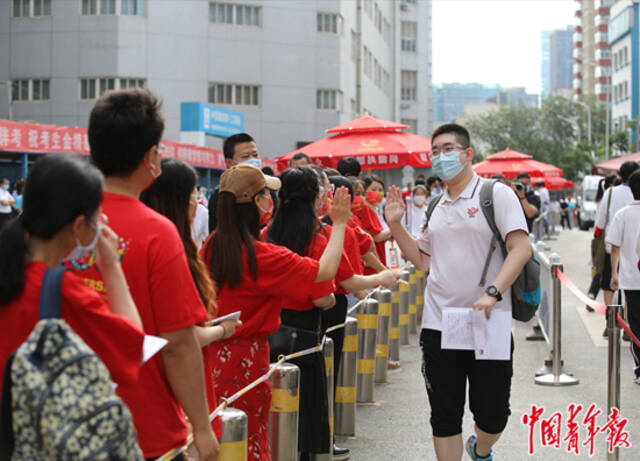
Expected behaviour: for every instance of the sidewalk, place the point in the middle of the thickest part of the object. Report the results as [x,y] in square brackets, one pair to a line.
[396,427]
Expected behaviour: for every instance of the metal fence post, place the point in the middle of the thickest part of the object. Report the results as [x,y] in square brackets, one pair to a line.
[367,316]
[283,415]
[384,298]
[404,307]
[413,293]
[613,382]
[233,443]
[557,377]
[345,403]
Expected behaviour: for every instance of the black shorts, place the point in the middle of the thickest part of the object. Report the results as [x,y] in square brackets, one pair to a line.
[605,277]
[446,373]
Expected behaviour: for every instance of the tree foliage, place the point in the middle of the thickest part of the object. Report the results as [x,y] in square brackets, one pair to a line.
[554,133]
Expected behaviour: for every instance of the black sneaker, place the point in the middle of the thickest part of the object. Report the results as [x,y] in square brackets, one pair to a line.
[340,454]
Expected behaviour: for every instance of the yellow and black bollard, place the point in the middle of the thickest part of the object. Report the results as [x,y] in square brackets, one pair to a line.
[233,443]
[345,404]
[394,325]
[367,315]
[404,307]
[283,416]
[412,299]
[384,298]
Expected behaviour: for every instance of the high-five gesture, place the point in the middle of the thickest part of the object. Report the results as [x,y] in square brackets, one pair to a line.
[340,206]
[394,210]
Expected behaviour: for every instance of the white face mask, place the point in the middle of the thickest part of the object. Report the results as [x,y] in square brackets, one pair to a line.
[81,249]
[419,200]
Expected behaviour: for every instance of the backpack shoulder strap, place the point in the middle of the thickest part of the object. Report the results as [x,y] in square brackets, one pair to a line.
[51,293]
[486,205]
[430,208]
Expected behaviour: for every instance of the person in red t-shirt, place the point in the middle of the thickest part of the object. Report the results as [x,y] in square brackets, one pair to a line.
[374,194]
[125,132]
[61,219]
[255,277]
[174,195]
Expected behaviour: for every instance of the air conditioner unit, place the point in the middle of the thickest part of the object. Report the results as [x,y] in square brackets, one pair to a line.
[404,7]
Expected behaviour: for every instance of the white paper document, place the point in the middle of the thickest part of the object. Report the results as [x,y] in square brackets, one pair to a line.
[466,329]
[233,316]
[151,345]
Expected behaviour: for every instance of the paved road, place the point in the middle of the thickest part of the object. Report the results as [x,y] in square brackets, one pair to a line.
[396,427]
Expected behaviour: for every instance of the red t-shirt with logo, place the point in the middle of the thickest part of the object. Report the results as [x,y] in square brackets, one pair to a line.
[115,339]
[158,276]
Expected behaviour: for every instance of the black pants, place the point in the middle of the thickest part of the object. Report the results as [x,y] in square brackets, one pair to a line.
[565,218]
[605,277]
[4,219]
[594,288]
[446,373]
[335,316]
[180,457]
[633,313]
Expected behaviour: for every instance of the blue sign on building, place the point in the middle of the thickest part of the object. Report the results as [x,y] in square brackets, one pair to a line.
[213,120]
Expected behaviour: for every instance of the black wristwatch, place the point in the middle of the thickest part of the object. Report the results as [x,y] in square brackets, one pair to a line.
[491,290]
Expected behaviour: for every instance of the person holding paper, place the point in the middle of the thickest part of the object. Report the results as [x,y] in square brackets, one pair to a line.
[454,244]
[125,137]
[256,277]
[61,219]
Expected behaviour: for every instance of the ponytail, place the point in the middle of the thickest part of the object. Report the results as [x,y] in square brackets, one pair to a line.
[13,251]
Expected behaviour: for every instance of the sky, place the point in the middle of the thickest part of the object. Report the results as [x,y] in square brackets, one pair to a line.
[494,41]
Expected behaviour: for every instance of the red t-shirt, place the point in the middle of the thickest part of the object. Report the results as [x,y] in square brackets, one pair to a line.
[353,248]
[345,269]
[371,225]
[281,274]
[158,276]
[115,339]
[364,239]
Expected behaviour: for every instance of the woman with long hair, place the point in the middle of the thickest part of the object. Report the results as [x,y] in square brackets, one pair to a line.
[296,226]
[60,221]
[173,194]
[255,277]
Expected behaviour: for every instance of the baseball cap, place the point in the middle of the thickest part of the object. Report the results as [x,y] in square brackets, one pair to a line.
[244,181]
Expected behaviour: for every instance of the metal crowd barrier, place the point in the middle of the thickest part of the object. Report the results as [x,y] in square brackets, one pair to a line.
[404,308]
[283,416]
[613,387]
[384,298]
[367,316]
[413,292]
[233,443]
[345,402]
[550,318]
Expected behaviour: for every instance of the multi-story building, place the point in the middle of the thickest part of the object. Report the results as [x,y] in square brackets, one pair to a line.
[556,66]
[624,39]
[450,98]
[591,50]
[293,68]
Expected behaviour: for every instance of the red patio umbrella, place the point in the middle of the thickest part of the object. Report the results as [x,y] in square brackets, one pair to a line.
[508,154]
[613,165]
[367,124]
[511,168]
[374,150]
[553,182]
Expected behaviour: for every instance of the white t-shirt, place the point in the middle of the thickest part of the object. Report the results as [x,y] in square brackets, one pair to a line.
[458,239]
[5,195]
[624,232]
[621,196]
[200,225]
[414,218]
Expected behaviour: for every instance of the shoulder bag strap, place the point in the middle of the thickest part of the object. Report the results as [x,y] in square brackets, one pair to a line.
[486,205]
[606,223]
[430,208]
[51,293]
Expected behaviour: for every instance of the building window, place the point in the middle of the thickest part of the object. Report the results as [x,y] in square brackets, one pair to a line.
[409,35]
[30,90]
[615,60]
[234,94]
[228,13]
[368,7]
[354,46]
[626,55]
[31,8]
[409,80]
[377,73]
[111,7]
[367,62]
[329,23]
[354,109]
[412,123]
[386,34]
[92,88]
[626,89]
[329,100]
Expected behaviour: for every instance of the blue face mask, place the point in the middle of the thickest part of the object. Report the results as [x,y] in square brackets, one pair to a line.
[254,162]
[447,165]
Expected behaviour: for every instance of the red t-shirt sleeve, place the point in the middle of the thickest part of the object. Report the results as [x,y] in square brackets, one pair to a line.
[317,247]
[345,270]
[115,339]
[173,293]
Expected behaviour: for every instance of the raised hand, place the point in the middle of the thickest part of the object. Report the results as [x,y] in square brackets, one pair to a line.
[394,209]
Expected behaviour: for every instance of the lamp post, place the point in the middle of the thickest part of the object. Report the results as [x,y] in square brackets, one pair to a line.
[586,106]
[607,124]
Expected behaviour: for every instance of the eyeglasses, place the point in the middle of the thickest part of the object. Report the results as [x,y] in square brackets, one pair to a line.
[446,148]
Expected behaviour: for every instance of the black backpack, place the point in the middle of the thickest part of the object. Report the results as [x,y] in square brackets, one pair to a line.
[58,400]
[526,290]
